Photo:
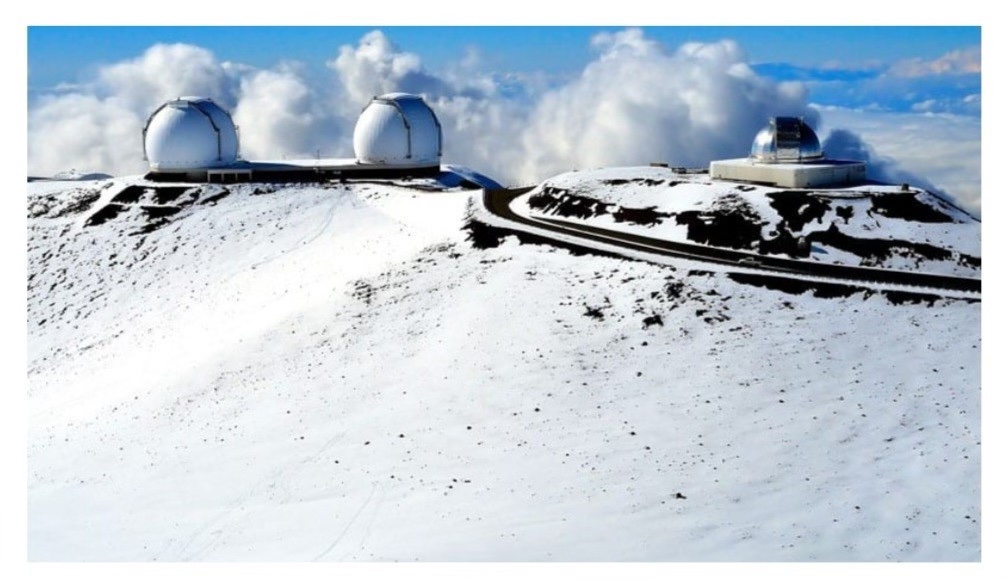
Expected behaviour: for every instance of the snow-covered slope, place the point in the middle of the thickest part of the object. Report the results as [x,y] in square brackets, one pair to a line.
[265,372]
[866,225]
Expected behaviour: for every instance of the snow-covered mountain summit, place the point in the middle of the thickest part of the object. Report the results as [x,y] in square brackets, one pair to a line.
[871,225]
[341,371]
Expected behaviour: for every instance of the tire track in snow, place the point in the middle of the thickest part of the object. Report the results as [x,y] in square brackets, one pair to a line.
[352,521]
[277,478]
[306,240]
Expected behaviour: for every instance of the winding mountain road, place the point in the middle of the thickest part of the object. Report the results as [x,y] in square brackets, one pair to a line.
[498,201]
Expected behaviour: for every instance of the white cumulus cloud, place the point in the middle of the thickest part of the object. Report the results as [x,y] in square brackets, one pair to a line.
[168,71]
[636,102]
[280,115]
[84,132]
[633,104]
[375,67]
[99,127]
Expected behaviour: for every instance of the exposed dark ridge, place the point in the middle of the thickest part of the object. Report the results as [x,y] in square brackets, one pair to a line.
[484,236]
[647,181]
[158,217]
[159,211]
[130,194]
[104,214]
[906,206]
[165,195]
[795,286]
[155,194]
[968,260]
[215,198]
[785,243]
[831,290]
[555,201]
[643,216]
[558,201]
[798,208]
[730,223]
[874,251]
[898,297]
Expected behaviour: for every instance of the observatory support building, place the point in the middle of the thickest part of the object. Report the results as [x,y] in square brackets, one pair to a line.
[194,139]
[787,153]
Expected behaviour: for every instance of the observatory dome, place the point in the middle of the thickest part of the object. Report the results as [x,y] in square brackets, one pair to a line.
[189,133]
[786,140]
[398,130]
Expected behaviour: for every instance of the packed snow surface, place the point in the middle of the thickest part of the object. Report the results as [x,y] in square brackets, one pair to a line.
[304,372]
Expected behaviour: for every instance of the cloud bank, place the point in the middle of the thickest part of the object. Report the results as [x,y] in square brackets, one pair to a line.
[956,62]
[636,102]
[939,152]
[950,83]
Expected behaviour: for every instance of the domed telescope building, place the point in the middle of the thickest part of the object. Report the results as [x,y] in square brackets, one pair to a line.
[398,130]
[193,139]
[189,135]
[787,153]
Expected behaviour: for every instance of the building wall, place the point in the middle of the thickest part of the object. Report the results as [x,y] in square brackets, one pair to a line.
[821,174]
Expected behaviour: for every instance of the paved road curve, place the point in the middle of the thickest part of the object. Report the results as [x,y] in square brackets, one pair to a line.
[498,202]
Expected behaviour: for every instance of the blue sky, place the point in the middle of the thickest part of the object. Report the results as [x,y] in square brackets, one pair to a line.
[517,47]
[61,54]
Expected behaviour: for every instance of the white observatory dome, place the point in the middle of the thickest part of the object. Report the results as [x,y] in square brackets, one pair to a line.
[189,133]
[398,129]
[786,140]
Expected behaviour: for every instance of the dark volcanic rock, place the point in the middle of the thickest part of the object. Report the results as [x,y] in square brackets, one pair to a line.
[785,243]
[104,214]
[560,202]
[165,195]
[643,216]
[130,194]
[906,206]
[159,211]
[875,251]
[730,223]
[798,208]
[483,236]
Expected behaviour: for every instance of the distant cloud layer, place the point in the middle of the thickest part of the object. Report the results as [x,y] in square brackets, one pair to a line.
[636,102]
[957,62]
[939,152]
[950,83]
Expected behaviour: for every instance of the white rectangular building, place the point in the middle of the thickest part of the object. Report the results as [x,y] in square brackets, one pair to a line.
[822,173]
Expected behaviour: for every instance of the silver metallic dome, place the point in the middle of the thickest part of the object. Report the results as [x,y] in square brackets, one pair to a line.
[786,140]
